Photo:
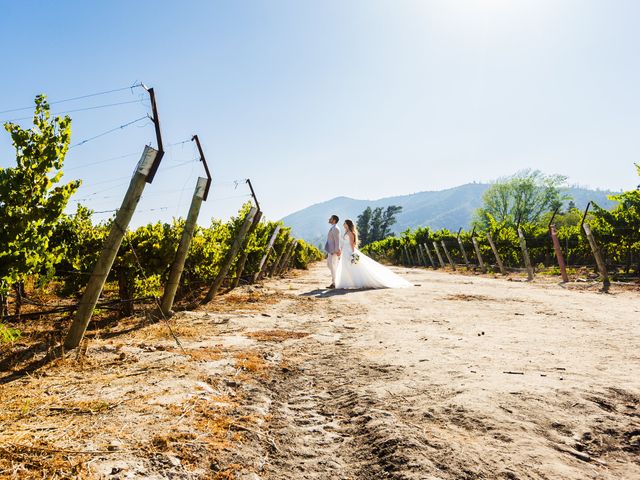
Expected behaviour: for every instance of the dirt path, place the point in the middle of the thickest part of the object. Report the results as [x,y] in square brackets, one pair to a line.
[459,377]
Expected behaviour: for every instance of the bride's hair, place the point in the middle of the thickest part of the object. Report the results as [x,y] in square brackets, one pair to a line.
[352,228]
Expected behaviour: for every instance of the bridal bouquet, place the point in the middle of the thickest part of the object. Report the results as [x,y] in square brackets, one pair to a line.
[355,258]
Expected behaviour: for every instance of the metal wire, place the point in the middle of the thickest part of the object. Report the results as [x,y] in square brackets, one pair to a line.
[109,131]
[135,85]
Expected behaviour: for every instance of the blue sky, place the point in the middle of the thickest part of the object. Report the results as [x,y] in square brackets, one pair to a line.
[317,99]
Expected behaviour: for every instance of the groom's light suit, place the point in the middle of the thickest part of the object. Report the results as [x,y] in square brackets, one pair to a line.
[332,247]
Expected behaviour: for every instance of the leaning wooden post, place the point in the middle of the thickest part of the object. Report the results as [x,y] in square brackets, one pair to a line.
[283,257]
[421,258]
[245,253]
[110,249]
[496,254]
[177,266]
[287,252]
[558,250]
[435,247]
[446,252]
[406,256]
[276,262]
[464,253]
[414,257]
[263,263]
[525,254]
[483,267]
[287,261]
[228,261]
[599,261]
[426,248]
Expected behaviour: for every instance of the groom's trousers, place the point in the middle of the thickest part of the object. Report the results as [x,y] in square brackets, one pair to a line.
[332,263]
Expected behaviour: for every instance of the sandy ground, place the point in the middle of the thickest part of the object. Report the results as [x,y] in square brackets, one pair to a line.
[459,377]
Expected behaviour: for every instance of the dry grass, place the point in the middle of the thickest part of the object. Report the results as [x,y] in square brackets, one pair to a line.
[42,462]
[205,354]
[252,362]
[462,297]
[275,335]
[253,301]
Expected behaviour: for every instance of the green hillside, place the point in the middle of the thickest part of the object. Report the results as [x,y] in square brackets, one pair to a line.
[451,208]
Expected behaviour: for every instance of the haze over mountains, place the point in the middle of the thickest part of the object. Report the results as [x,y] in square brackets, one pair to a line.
[451,208]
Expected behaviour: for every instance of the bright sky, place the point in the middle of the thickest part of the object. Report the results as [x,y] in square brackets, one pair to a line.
[317,99]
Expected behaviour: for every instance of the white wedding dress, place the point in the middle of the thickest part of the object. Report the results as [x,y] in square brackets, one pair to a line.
[365,272]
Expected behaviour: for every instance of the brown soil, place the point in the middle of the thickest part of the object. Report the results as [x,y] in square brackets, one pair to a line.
[461,377]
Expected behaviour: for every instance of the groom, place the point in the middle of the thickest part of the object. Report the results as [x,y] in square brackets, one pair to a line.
[332,247]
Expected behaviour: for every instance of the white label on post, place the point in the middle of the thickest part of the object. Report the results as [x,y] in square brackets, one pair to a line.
[201,184]
[147,159]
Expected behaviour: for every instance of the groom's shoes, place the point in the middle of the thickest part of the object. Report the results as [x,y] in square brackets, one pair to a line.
[331,286]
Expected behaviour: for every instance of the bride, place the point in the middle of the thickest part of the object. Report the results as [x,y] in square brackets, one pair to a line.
[356,270]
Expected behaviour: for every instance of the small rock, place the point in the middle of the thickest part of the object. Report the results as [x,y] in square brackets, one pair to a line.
[113,446]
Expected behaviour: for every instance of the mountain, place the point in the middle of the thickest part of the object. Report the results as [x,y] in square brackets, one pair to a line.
[451,208]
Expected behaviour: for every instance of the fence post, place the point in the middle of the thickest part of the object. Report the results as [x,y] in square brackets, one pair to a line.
[558,250]
[421,257]
[525,254]
[287,261]
[414,260]
[231,255]
[483,267]
[263,263]
[110,249]
[276,262]
[406,255]
[464,253]
[435,247]
[245,253]
[276,267]
[177,266]
[446,252]
[426,248]
[285,257]
[596,253]
[496,254]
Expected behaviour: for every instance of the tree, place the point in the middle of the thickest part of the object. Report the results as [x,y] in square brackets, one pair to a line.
[32,199]
[389,219]
[521,198]
[374,225]
[619,229]
[363,221]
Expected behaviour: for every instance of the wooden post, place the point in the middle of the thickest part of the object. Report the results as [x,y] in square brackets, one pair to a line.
[483,267]
[285,256]
[285,264]
[110,249]
[464,253]
[435,247]
[228,261]
[423,262]
[599,261]
[406,255]
[274,265]
[177,266]
[525,254]
[496,254]
[446,252]
[558,250]
[426,248]
[414,257]
[245,253]
[263,263]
